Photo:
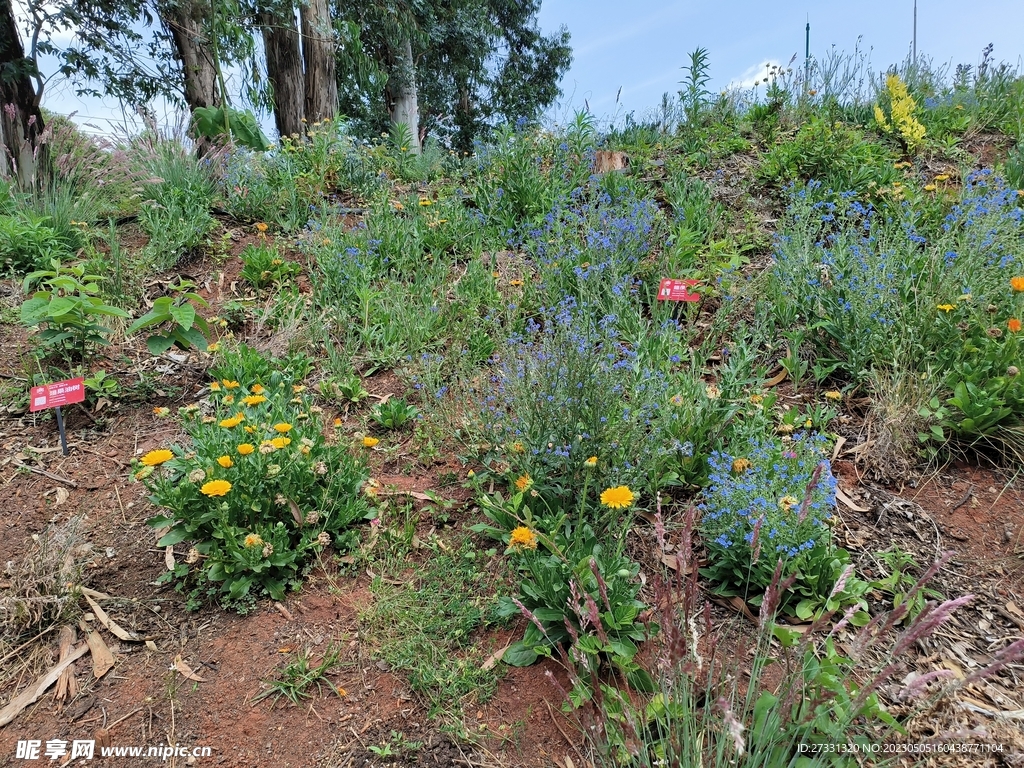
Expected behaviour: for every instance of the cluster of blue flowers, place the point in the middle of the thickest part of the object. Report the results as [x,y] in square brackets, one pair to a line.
[773,494]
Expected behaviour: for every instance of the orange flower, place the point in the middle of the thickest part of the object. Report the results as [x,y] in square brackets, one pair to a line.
[524,482]
[256,389]
[215,488]
[1013,325]
[369,442]
[1017,283]
[155,458]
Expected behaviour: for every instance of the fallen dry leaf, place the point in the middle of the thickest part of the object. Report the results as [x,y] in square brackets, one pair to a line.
[108,622]
[39,687]
[169,558]
[494,658]
[186,670]
[841,496]
[774,381]
[61,494]
[300,519]
[102,658]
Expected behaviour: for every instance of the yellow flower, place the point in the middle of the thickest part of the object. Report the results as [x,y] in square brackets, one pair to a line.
[398,206]
[296,388]
[1017,283]
[522,538]
[369,442]
[214,387]
[281,442]
[229,399]
[229,384]
[946,307]
[942,177]
[245,449]
[523,482]
[517,447]
[156,458]
[215,488]
[282,427]
[234,421]
[756,399]
[741,465]
[929,187]
[256,389]
[834,394]
[619,497]
[337,422]
[261,227]
[515,282]
[252,540]
[162,412]
[254,399]
[591,462]
[424,201]
[213,347]
[225,461]
[788,502]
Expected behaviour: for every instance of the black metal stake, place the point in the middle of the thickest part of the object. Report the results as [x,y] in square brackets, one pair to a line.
[60,427]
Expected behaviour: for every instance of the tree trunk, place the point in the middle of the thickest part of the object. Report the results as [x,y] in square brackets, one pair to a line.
[318,53]
[284,71]
[21,122]
[403,98]
[184,20]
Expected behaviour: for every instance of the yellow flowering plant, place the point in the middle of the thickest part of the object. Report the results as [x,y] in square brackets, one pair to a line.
[281,483]
[569,576]
[902,121]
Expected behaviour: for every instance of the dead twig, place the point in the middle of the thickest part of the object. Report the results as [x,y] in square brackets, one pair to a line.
[44,473]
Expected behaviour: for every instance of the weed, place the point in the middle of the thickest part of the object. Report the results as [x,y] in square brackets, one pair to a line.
[299,677]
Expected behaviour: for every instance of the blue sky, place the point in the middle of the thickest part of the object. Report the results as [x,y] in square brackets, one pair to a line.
[641,46]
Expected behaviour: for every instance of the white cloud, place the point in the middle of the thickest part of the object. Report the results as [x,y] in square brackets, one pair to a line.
[753,75]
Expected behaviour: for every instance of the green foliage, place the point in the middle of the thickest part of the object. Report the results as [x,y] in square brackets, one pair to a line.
[27,244]
[575,591]
[262,266]
[259,493]
[426,625]
[394,413]
[296,680]
[182,327]
[695,93]
[835,154]
[177,195]
[900,585]
[67,310]
[224,123]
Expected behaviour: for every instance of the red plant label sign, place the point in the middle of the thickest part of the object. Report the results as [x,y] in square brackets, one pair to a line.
[677,290]
[59,393]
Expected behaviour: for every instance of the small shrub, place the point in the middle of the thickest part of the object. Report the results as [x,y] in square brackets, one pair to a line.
[262,266]
[258,493]
[773,504]
[901,121]
[28,244]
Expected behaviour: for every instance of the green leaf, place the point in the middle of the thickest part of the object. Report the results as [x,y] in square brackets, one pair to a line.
[184,315]
[158,344]
[174,536]
[519,655]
